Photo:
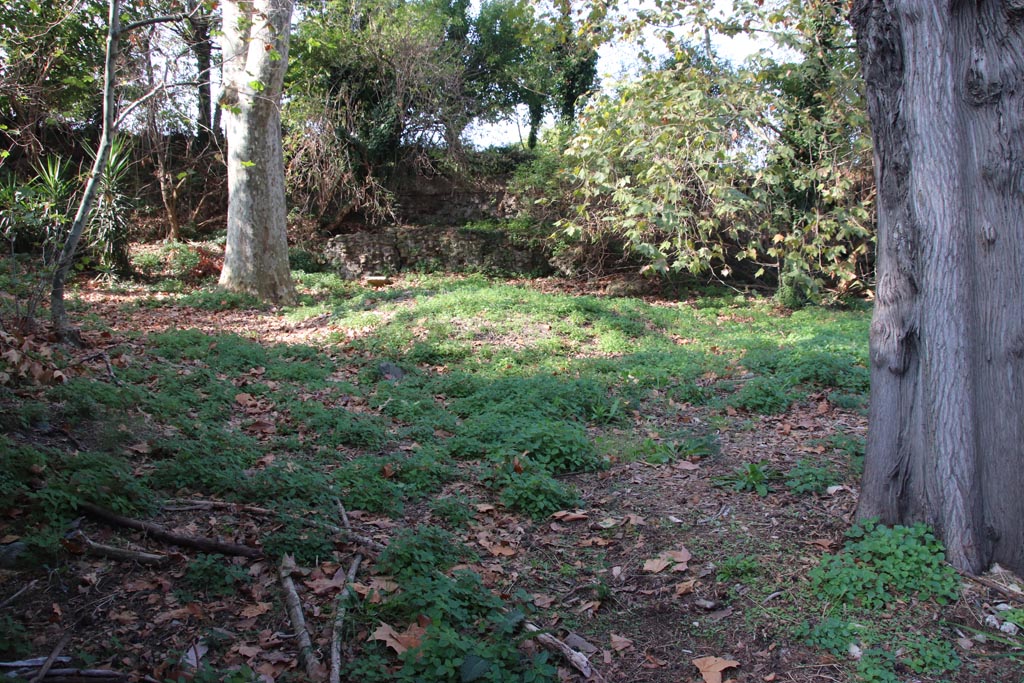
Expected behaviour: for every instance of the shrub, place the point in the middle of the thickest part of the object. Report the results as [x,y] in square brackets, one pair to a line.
[806,477]
[765,395]
[880,564]
[420,550]
[363,486]
[753,476]
[738,568]
[471,635]
[537,494]
[213,576]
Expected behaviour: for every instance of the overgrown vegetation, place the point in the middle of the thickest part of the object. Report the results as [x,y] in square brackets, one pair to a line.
[473,425]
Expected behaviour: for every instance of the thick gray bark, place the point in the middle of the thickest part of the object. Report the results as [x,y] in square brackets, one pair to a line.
[255,54]
[945,83]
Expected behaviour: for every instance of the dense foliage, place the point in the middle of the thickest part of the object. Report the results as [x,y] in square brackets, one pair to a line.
[758,170]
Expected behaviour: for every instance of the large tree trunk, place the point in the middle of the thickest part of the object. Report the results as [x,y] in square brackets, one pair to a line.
[945,83]
[255,54]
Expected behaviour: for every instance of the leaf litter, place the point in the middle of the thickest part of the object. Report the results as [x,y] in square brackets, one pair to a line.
[631,568]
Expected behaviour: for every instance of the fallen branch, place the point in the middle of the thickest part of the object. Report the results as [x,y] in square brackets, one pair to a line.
[79,543]
[339,617]
[48,664]
[161,533]
[994,585]
[27,587]
[578,660]
[31,663]
[106,359]
[339,621]
[291,601]
[346,533]
[84,676]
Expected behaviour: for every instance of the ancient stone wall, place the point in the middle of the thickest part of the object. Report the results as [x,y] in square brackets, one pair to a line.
[401,248]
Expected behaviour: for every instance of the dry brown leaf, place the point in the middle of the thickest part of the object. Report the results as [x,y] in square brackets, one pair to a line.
[685,588]
[677,559]
[125,617]
[652,662]
[682,555]
[500,549]
[595,540]
[248,651]
[711,668]
[139,585]
[543,601]
[257,609]
[387,633]
[399,642]
[263,427]
[325,585]
[656,564]
[620,643]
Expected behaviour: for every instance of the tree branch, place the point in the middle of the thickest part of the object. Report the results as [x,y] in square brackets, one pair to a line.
[153,20]
[163,534]
[291,599]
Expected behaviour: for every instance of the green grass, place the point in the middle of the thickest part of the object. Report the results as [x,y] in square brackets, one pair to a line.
[508,394]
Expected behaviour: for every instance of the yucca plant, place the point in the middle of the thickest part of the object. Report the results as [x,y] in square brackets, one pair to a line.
[109,221]
[34,218]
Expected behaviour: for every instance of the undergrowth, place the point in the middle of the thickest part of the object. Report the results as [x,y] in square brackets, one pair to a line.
[503,396]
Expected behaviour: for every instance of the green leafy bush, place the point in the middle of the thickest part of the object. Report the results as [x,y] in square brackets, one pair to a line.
[879,564]
[830,634]
[472,635]
[928,656]
[557,446]
[765,395]
[537,494]
[806,477]
[214,576]
[363,486]
[753,476]
[424,472]
[454,510]
[554,397]
[14,639]
[308,545]
[216,299]
[306,261]
[738,568]
[21,464]
[420,550]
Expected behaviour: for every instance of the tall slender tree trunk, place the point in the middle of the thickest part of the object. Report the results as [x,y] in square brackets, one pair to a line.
[58,311]
[198,36]
[255,54]
[945,84]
